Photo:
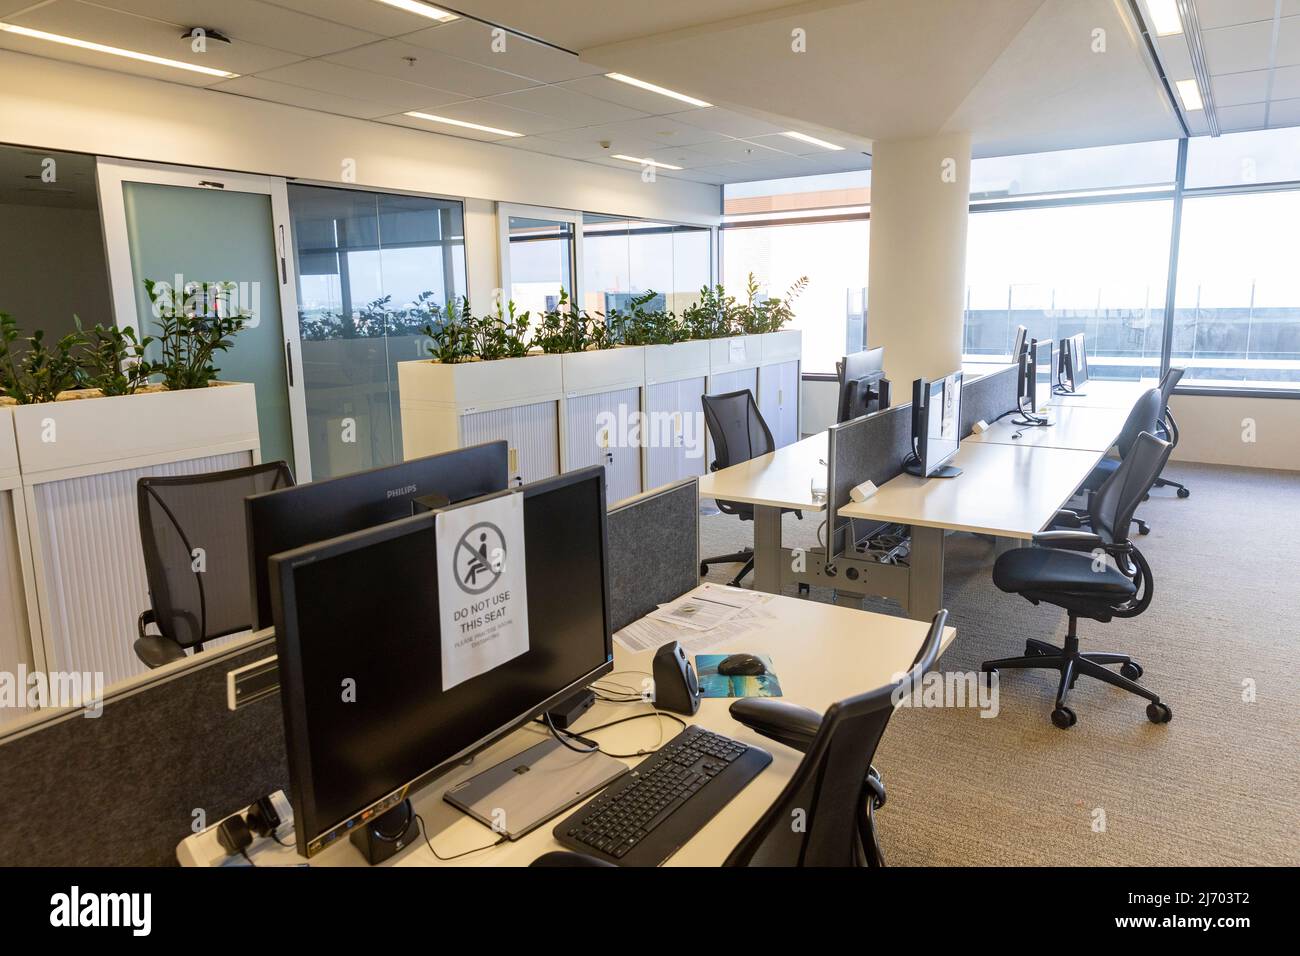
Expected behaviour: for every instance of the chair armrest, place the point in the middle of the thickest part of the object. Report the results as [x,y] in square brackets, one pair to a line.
[785,723]
[144,620]
[1067,519]
[1080,541]
[566,859]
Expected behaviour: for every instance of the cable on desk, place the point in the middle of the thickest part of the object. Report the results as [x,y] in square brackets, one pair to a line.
[622,720]
[424,832]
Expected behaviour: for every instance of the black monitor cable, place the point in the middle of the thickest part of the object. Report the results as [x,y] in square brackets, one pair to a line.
[424,832]
[655,712]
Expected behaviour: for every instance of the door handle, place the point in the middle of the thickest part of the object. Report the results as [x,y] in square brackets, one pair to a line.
[288,360]
[284,271]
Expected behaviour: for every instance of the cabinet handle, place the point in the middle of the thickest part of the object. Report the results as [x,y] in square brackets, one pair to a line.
[288,360]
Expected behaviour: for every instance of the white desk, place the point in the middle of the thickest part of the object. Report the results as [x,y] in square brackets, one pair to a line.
[1073,426]
[821,652]
[781,479]
[1106,394]
[1009,491]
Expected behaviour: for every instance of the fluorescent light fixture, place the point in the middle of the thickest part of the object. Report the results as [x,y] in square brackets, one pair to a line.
[645,162]
[455,122]
[805,138]
[422,9]
[633,81]
[115,51]
[1164,17]
[1190,94]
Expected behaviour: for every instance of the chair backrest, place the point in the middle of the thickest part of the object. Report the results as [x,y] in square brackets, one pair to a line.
[200,595]
[736,427]
[828,785]
[1168,382]
[1114,503]
[1144,417]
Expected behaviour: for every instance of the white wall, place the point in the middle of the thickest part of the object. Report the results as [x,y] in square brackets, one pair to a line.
[53,105]
[1255,432]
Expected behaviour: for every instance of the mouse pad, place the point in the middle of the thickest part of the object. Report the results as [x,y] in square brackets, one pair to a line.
[713,684]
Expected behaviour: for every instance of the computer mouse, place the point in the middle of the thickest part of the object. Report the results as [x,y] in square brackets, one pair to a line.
[741,665]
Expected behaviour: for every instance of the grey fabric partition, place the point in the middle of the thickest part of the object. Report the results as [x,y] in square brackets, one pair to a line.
[122,788]
[987,398]
[654,550]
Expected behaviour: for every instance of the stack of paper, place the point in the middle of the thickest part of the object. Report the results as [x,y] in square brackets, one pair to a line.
[711,614]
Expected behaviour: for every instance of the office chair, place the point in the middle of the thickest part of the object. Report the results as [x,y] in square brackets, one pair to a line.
[1067,570]
[835,790]
[1144,417]
[193,532]
[739,433]
[1167,427]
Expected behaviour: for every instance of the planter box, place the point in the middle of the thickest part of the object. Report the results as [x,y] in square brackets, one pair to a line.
[602,370]
[79,462]
[480,386]
[783,346]
[674,363]
[735,353]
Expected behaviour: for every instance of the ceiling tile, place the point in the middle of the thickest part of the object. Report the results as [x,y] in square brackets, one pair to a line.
[602,87]
[737,151]
[539,144]
[620,141]
[431,68]
[575,109]
[490,113]
[261,89]
[1286,83]
[341,81]
[362,14]
[1223,13]
[1288,42]
[252,21]
[1239,48]
[686,157]
[1250,116]
[474,41]
[1234,89]
[799,148]
[411,122]
[1284,112]
[665,130]
[727,121]
[1173,54]
[115,28]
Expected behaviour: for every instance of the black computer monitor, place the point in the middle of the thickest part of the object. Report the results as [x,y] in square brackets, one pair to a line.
[936,426]
[1018,347]
[1025,376]
[863,386]
[326,509]
[364,608]
[1073,363]
[1044,364]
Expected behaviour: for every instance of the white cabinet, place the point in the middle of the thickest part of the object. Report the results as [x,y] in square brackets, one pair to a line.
[778,401]
[530,431]
[603,429]
[15,567]
[675,447]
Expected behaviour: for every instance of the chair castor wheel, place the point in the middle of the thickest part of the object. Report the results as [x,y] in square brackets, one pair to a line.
[1184,493]
[1143,527]
[1159,713]
[704,569]
[1064,717]
[1146,497]
[1132,670]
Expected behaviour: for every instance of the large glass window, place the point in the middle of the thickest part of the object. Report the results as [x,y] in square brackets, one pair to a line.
[624,258]
[1244,159]
[541,262]
[1097,269]
[1100,169]
[372,270]
[1237,308]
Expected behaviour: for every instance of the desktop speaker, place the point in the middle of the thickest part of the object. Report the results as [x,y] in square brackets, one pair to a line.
[386,835]
[676,687]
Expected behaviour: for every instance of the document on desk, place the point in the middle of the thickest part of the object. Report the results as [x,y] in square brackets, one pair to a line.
[732,611]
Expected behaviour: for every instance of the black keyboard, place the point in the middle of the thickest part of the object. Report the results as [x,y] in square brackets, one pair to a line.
[644,817]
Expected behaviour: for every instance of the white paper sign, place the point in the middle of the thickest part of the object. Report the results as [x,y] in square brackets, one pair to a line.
[482,588]
[736,350]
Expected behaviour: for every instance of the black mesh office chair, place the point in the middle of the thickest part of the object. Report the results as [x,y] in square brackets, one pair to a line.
[1067,569]
[195,541]
[739,433]
[1144,417]
[1167,428]
[835,790]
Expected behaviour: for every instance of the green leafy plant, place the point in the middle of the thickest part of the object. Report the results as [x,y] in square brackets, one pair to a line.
[638,326]
[451,333]
[771,314]
[504,335]
[113,360]
[567,329]
[193,330]
[715,315]
[39,373]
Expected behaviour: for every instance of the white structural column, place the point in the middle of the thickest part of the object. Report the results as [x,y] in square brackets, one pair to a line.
[920,199]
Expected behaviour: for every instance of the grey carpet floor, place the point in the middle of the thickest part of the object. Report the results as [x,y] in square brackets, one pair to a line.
[1219,785]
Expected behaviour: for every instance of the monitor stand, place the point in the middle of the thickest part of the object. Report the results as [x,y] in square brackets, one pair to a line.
[522,792]
[943,471]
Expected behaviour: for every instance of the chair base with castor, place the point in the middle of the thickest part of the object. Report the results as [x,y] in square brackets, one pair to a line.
[745,557]
[1073,664]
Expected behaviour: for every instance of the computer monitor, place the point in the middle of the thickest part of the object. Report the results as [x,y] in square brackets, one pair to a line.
[1044,364]
[363,608]
[326,509]
[1073,363]
[863,386]
[936,426]
[1018,347]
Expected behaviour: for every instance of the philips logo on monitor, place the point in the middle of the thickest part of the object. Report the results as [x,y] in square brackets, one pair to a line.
[400,492]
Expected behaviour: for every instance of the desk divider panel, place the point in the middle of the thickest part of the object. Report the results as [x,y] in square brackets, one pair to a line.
[653,551]
[871,448]
[121,789]
[986,398]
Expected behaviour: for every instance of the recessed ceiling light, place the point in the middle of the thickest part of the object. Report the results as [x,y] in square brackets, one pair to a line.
[115,51]
[662,91]
[805,138]
[1164,17]
[645,162]
[455,122]
[1190,94]
[422,9]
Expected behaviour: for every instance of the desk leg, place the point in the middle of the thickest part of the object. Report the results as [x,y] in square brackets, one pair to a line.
[767,549]
[925,580]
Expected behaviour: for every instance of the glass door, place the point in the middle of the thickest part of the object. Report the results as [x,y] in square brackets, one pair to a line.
[188,228]
[540,256]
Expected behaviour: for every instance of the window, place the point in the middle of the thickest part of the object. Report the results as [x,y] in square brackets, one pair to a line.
[623,258]
[372,267]
[1058,270]
[1244,159]
[1237,308]
[1132,167]
[540,260]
